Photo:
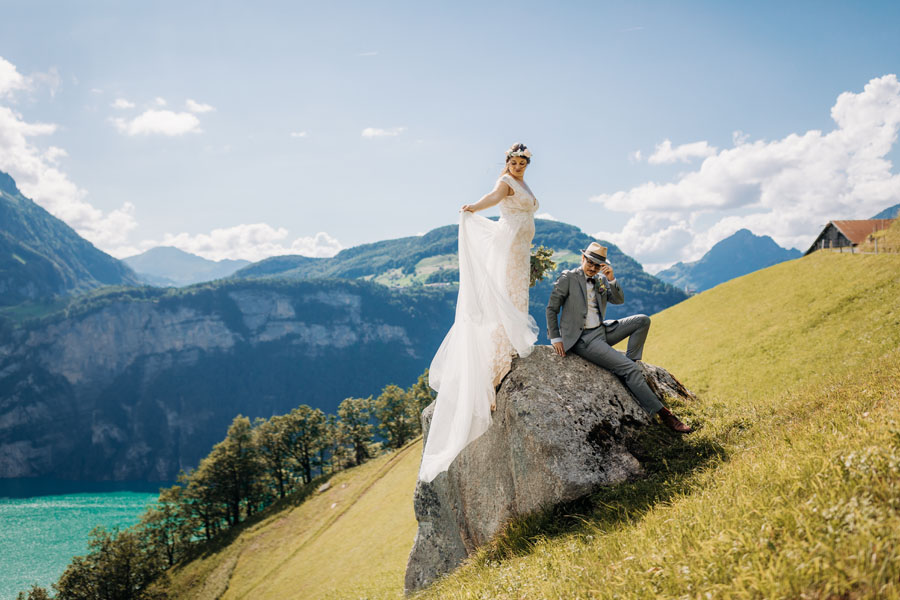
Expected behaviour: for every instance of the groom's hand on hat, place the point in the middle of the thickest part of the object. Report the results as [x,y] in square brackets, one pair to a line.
[607,272]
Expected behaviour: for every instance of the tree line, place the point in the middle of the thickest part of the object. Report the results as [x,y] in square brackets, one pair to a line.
[256,465]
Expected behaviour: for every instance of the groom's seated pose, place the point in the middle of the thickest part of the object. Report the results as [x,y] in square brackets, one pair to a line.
[582,295]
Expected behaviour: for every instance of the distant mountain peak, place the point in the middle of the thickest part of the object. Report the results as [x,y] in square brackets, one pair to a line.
[168,265]
[8,184]
[892,212]
[739,254]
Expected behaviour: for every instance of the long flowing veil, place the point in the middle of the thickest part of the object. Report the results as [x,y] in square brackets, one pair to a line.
[461,369]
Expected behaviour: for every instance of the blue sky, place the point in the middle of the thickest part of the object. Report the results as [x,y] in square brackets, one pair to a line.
[242,131]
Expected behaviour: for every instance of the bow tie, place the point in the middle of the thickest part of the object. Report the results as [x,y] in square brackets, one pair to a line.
[591,280]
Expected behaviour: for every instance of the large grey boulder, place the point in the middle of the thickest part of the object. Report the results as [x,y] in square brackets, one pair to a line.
[560,431]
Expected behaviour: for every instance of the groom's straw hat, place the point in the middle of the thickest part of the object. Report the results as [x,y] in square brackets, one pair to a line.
[596,254]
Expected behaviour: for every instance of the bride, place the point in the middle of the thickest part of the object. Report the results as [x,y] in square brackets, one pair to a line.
[492,321]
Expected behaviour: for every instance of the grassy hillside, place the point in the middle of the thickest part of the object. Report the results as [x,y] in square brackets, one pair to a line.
[791,324]
[350,541]
[798,371]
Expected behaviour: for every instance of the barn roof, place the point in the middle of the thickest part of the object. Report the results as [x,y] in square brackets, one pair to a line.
[857,231]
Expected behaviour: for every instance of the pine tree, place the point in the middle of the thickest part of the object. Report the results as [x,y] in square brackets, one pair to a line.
[272,444]
[396,415]
[304,435]
[355,428]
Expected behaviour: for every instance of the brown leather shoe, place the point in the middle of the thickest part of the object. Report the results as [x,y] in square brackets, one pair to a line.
[672,422]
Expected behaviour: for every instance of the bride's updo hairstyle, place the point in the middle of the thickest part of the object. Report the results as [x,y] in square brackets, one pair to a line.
[517,149]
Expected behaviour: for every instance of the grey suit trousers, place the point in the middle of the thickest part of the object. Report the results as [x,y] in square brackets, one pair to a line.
[596,346]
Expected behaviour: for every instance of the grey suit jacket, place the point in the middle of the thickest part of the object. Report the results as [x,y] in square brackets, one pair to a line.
[569,295]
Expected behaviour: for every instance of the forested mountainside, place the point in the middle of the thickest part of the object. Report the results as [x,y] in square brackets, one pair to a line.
[140,383]
[43,258]
[431,258]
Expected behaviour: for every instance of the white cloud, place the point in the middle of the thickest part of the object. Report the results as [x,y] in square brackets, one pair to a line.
[50,80]
[298,134]
[11,80]
[547,216]
[159,122]
[372,132]
[253,242]
[160,101]
[197,107]
[37,171]
[666,154]
[38,175]
[53,154]
[122,104]
[634,157]
[786,188]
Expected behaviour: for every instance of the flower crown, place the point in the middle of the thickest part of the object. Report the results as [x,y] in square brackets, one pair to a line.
[525,152]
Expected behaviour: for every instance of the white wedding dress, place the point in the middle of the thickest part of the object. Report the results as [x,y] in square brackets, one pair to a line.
[492,324]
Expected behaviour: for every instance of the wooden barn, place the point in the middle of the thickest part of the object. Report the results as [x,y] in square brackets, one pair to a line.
[847,234]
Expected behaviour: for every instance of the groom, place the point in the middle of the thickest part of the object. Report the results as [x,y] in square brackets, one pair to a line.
[582,295]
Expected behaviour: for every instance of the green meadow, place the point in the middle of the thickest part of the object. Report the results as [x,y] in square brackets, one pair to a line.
[789,488]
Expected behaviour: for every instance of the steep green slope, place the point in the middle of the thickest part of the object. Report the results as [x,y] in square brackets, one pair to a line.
[798,388]
[41,257]
[351,540]
[789,325]
[798,370]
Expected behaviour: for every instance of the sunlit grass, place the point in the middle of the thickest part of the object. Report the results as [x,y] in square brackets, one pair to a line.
[790,488]
[798,372]
[354,536]
[807,505]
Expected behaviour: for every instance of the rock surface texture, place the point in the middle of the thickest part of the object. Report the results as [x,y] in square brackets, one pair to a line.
[560,431]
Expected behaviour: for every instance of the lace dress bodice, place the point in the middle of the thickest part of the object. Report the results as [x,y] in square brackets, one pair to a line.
[521,204]
[517,211]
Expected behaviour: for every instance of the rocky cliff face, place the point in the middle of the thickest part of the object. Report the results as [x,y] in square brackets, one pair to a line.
[562,428]
[140,385]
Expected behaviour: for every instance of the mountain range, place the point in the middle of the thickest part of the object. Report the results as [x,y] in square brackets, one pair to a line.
[168,266]
[737,255]
[130,382]
[138,382]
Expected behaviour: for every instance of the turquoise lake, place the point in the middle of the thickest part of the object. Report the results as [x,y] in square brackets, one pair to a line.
[44,523]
